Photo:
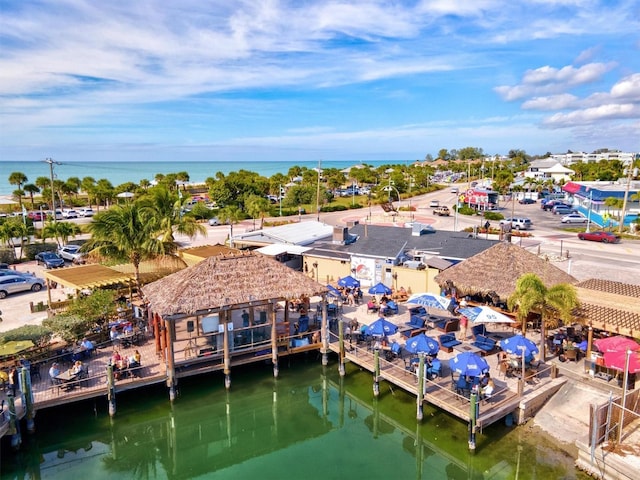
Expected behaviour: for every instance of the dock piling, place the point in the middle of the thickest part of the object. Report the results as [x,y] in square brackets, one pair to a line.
[376,373]
[111,391]
[420,394]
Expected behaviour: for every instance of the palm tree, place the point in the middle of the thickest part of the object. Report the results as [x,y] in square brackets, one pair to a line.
[231,214]
[31,189]
[19,179]
[127,233]
[165,209]
[257,206]
[61,231]
[554,303]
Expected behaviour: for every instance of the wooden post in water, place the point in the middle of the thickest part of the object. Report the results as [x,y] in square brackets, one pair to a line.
[324,332]
[111,391]
[420,395]
[14,423]
[171,359]
[224,318]
[473,419]
[376,371]
[27,392]
[341,343]
[274,339]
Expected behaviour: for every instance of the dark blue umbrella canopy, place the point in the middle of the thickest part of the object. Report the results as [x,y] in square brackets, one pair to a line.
[517,344]
[469,364]
[379,289]
[422,344]
[348,281]
[381,328]
[334,291]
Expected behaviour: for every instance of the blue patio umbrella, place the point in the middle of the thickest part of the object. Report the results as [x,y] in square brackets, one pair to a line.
[381,328]
[469,364]
[429,300]
[348,281]
[380,289]
[517,344]
[334,291]
[422,344]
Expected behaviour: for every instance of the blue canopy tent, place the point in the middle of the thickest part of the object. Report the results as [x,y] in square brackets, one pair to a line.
[380,289]
[348,281]
[333,291]
[469,364]
[422,344]
[429,300]
[381,328]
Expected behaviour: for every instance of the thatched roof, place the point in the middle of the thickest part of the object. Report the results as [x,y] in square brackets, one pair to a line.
[498,268]
[226,281]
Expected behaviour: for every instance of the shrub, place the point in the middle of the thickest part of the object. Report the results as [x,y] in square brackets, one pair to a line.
[40,335]
[7,255]
[31,250]
[493,216]
[70,327]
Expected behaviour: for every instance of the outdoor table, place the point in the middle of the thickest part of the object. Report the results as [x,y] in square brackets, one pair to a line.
[132,338]
[464,347]
[66,379]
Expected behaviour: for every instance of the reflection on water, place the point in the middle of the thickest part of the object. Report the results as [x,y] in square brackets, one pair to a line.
[309,423]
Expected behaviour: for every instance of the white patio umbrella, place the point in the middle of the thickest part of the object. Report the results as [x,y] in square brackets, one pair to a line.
[483,314]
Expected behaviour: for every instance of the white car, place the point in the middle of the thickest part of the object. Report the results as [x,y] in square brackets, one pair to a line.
[86,212]
[71,253]
[70,213]
[517,223]
[574,218]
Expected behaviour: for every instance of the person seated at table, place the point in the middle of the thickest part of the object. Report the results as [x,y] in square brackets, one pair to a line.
[384,299]
[372,305]
[120,368]
[128,328]
[134,360]
[113,334]
[115,358]
[87,346]
[77,367]
[582,346]
[487,386]
[54,371]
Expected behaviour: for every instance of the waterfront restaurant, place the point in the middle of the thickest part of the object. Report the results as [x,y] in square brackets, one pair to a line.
[231,309]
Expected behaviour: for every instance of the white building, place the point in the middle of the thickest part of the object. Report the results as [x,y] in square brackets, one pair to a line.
[581,157]
[548,168]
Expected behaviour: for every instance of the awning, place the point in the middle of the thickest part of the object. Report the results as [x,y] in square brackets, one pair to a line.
[87,276]
[279,248]
[572,188]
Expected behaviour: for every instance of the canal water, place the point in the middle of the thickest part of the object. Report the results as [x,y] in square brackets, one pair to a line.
[310,423]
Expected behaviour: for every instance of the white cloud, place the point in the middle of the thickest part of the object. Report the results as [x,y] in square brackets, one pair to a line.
[592,115]
[554,102]
[548,79]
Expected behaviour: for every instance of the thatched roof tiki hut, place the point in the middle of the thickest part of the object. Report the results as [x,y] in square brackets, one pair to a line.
[492,274]
[238,294]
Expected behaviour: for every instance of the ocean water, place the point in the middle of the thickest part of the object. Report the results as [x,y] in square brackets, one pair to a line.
[309,423]
[122,172]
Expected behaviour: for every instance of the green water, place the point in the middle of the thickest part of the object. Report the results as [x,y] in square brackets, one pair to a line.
[308,424]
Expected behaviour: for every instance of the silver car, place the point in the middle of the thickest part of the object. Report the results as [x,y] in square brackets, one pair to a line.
[18,283]
[574,218]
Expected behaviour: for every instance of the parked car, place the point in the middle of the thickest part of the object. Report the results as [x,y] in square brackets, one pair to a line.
[71,253]
[70,213]
[574,218]
[37,215]
[517,223]
[213,221]
[548,205]
[49,259]
[13,273]
[85,212]
[18,283]
[563,210]
[600,236]
[526,201]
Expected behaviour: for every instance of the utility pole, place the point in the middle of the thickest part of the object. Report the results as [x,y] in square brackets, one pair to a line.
[318,191]
[589,211]
[51,162]
[280,197]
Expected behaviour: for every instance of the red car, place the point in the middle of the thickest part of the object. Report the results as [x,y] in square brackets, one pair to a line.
[37,215]
[599,236]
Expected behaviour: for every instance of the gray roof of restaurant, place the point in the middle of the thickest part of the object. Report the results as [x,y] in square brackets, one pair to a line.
[388,242]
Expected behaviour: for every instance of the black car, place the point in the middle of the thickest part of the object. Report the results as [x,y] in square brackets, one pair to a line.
[49,259]
[526,201]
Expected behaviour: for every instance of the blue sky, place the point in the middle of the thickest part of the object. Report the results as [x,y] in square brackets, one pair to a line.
[308,80]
